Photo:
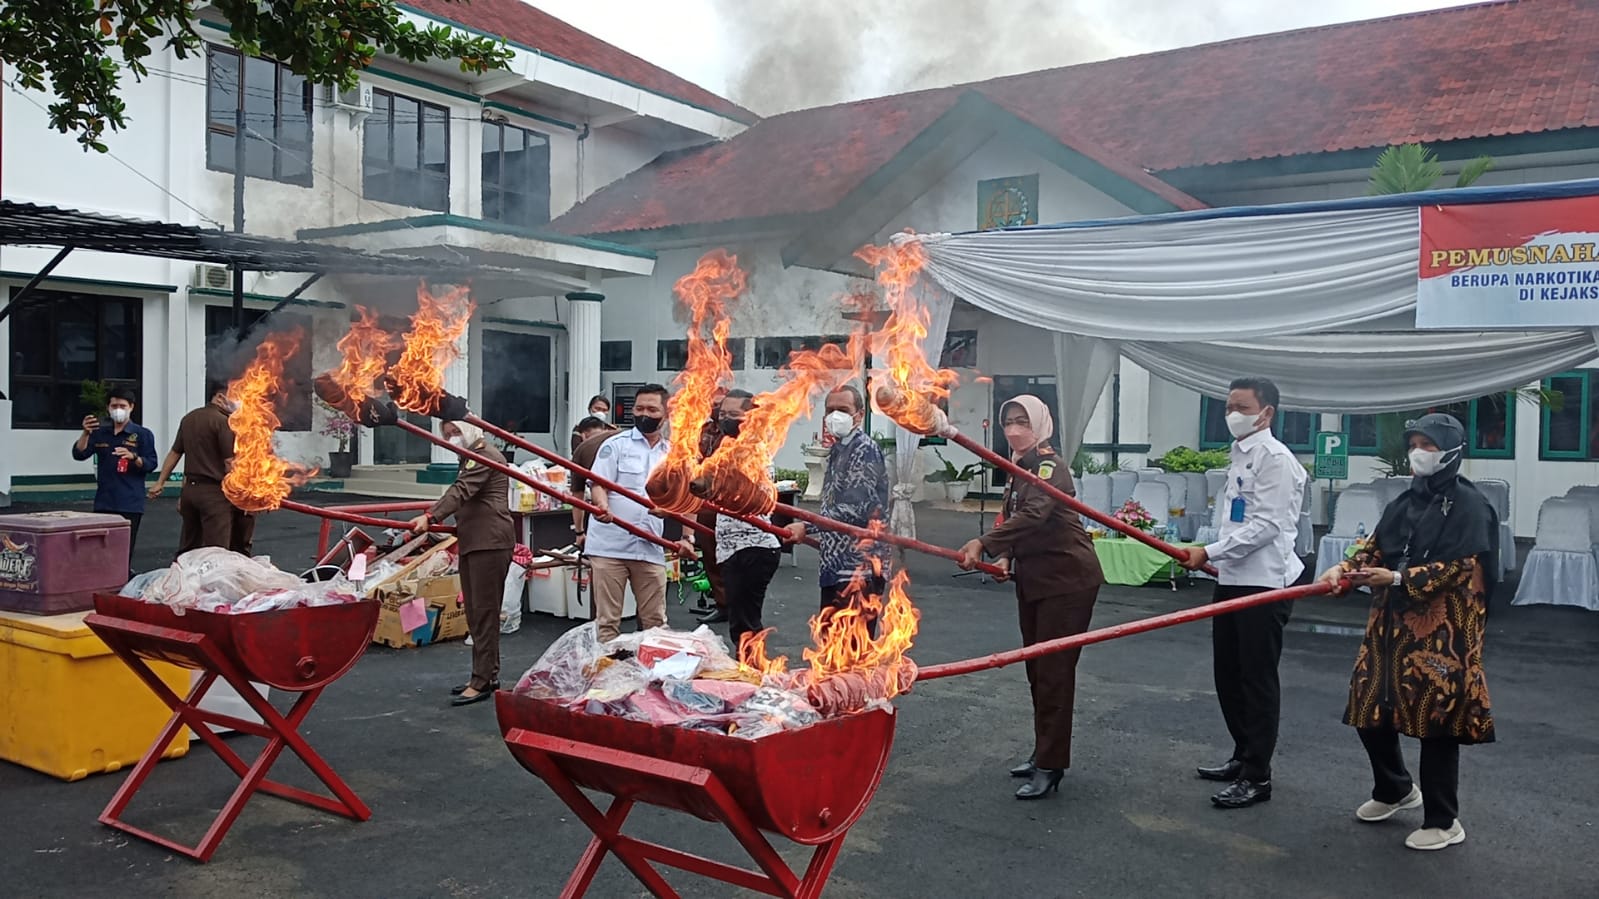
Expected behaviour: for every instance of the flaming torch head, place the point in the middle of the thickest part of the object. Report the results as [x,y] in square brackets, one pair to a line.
[416,380]
[910,385]
[669,488]
[735,490]
[912,411]
[259,480]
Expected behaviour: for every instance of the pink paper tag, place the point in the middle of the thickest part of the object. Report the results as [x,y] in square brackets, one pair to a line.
[413,615]
[358,568]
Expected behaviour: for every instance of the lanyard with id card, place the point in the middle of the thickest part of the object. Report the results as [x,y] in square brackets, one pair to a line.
[1237,512]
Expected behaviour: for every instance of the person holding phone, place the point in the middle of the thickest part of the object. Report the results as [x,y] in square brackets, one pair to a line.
[124,455]
[1253,553]
[1431,564]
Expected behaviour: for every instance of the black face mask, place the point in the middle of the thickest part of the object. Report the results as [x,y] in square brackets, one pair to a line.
[728,426]
[646,424]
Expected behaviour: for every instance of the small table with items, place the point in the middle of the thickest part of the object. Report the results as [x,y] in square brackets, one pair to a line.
[1131,563]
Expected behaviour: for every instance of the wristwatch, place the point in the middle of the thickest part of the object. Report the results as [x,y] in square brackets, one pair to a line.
[1399,578]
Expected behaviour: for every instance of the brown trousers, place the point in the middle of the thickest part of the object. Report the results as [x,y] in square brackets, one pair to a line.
[1052,678]
[483,586]
[207,517]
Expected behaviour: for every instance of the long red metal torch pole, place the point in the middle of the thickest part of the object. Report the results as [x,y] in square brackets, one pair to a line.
[1071,502]
[522,476]
[1100,635]
[861,533]
[609,485]
[352,518]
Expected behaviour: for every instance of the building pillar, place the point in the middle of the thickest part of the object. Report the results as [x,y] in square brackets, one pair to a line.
[583,353]
[457,380]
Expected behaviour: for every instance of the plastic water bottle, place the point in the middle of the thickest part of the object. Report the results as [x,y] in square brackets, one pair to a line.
[1171,532]
[1360,531]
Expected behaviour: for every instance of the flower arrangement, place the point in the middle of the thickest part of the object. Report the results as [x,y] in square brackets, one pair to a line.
[339,426]
[1133,513]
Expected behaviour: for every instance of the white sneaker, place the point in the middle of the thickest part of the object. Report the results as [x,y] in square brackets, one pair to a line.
[1372,811]
[1429,838]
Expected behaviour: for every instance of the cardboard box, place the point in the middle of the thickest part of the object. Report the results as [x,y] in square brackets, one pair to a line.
[446,616]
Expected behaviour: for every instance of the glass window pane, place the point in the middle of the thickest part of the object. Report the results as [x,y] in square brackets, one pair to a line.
[493,209]
[431,193]
[1362,431]
[258,155]
[77,339]
[1213,428]
[616,355]
[31,342]
[1491,433]
[119,340]
[222,85]
[436,139]
[260,95]
[32,405]
[375,134]
[406,128]
[1565,424]
[517,381]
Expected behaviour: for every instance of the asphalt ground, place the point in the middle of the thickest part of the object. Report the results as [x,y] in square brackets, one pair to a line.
[454,815]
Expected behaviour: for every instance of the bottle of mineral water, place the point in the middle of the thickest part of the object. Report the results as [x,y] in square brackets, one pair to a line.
[1360,531]
[1171,532]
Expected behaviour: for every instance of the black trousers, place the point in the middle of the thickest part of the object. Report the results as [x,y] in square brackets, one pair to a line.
[1247,645]
[1440,774]
[745,575]
[838,596]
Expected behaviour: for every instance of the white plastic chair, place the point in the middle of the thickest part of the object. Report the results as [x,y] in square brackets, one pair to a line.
[1306,532]
[1095,492]
[1178,487]
[1155,497]
[1150,474]
[1121,487]
[1198,500]
[1390,488]
[1498,494]
[1561,570]
[1357,507]
[1215,481]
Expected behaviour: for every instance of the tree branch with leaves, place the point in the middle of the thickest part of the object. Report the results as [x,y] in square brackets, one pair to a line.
[78,49]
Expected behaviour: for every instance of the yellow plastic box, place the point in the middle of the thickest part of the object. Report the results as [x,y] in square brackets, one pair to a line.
[68,706]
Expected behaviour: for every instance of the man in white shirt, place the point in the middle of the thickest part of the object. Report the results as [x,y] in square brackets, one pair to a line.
[618,557]
[1253,553]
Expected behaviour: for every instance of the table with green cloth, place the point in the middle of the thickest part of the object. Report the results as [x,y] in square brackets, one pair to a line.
[1133,563]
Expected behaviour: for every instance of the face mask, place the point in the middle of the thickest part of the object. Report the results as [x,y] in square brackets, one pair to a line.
[839,424]
[598,413]
[1020,439]
[1426,463]
[1241,425]
[728,426]
[457,440]
[119,415]
[646,424]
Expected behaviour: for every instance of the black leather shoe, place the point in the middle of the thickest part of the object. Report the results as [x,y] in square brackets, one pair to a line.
[1243,794]
[1025,769]
[1044,781]
[1225,773]
[464,699]
[717,616]
[458,689]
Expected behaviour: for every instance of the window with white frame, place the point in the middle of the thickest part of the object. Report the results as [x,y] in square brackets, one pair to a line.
[516,175]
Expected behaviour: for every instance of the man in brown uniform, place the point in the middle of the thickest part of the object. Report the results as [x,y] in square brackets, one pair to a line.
[1057,575]
[591,433]
[205,438]
[485,535]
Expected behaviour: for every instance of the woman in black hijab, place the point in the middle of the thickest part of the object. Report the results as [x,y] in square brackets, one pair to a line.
[1430,565]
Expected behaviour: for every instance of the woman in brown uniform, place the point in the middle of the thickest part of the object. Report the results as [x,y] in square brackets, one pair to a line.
[1052,561]
[1430,565]
[485,536]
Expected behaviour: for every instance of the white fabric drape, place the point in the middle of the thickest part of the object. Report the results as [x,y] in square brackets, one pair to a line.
[1082,367]
[1195,280]
[1373,372]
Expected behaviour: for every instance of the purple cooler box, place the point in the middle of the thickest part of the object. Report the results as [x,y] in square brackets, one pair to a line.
[53,562]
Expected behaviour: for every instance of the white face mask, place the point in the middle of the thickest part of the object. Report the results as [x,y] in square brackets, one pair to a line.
[457,440]
[1241,425]
[839,424]
[599,413]
[1426,463]
[119,415]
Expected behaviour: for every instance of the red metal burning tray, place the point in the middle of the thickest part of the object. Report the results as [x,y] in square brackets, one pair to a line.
[808,785]
[299,650]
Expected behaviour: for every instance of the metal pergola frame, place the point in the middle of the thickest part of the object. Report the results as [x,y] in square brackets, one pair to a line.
[29,224]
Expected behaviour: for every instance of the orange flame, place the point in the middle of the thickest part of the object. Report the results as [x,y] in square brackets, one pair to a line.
[364,353]
[417,378]
[842,643]
[706,292]
[911,383]
[259,480]
[747,459]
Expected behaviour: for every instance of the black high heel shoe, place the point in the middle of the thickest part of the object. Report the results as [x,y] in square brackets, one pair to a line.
[1025,769]
[1045,781]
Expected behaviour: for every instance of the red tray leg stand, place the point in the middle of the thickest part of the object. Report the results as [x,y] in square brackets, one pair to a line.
[128,639]
[775,878]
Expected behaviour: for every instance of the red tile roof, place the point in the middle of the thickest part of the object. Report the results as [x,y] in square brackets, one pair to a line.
[519,23]
[1512,67]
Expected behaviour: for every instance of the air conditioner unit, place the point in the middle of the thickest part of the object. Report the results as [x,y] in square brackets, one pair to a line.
[358,99]
[215,277]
